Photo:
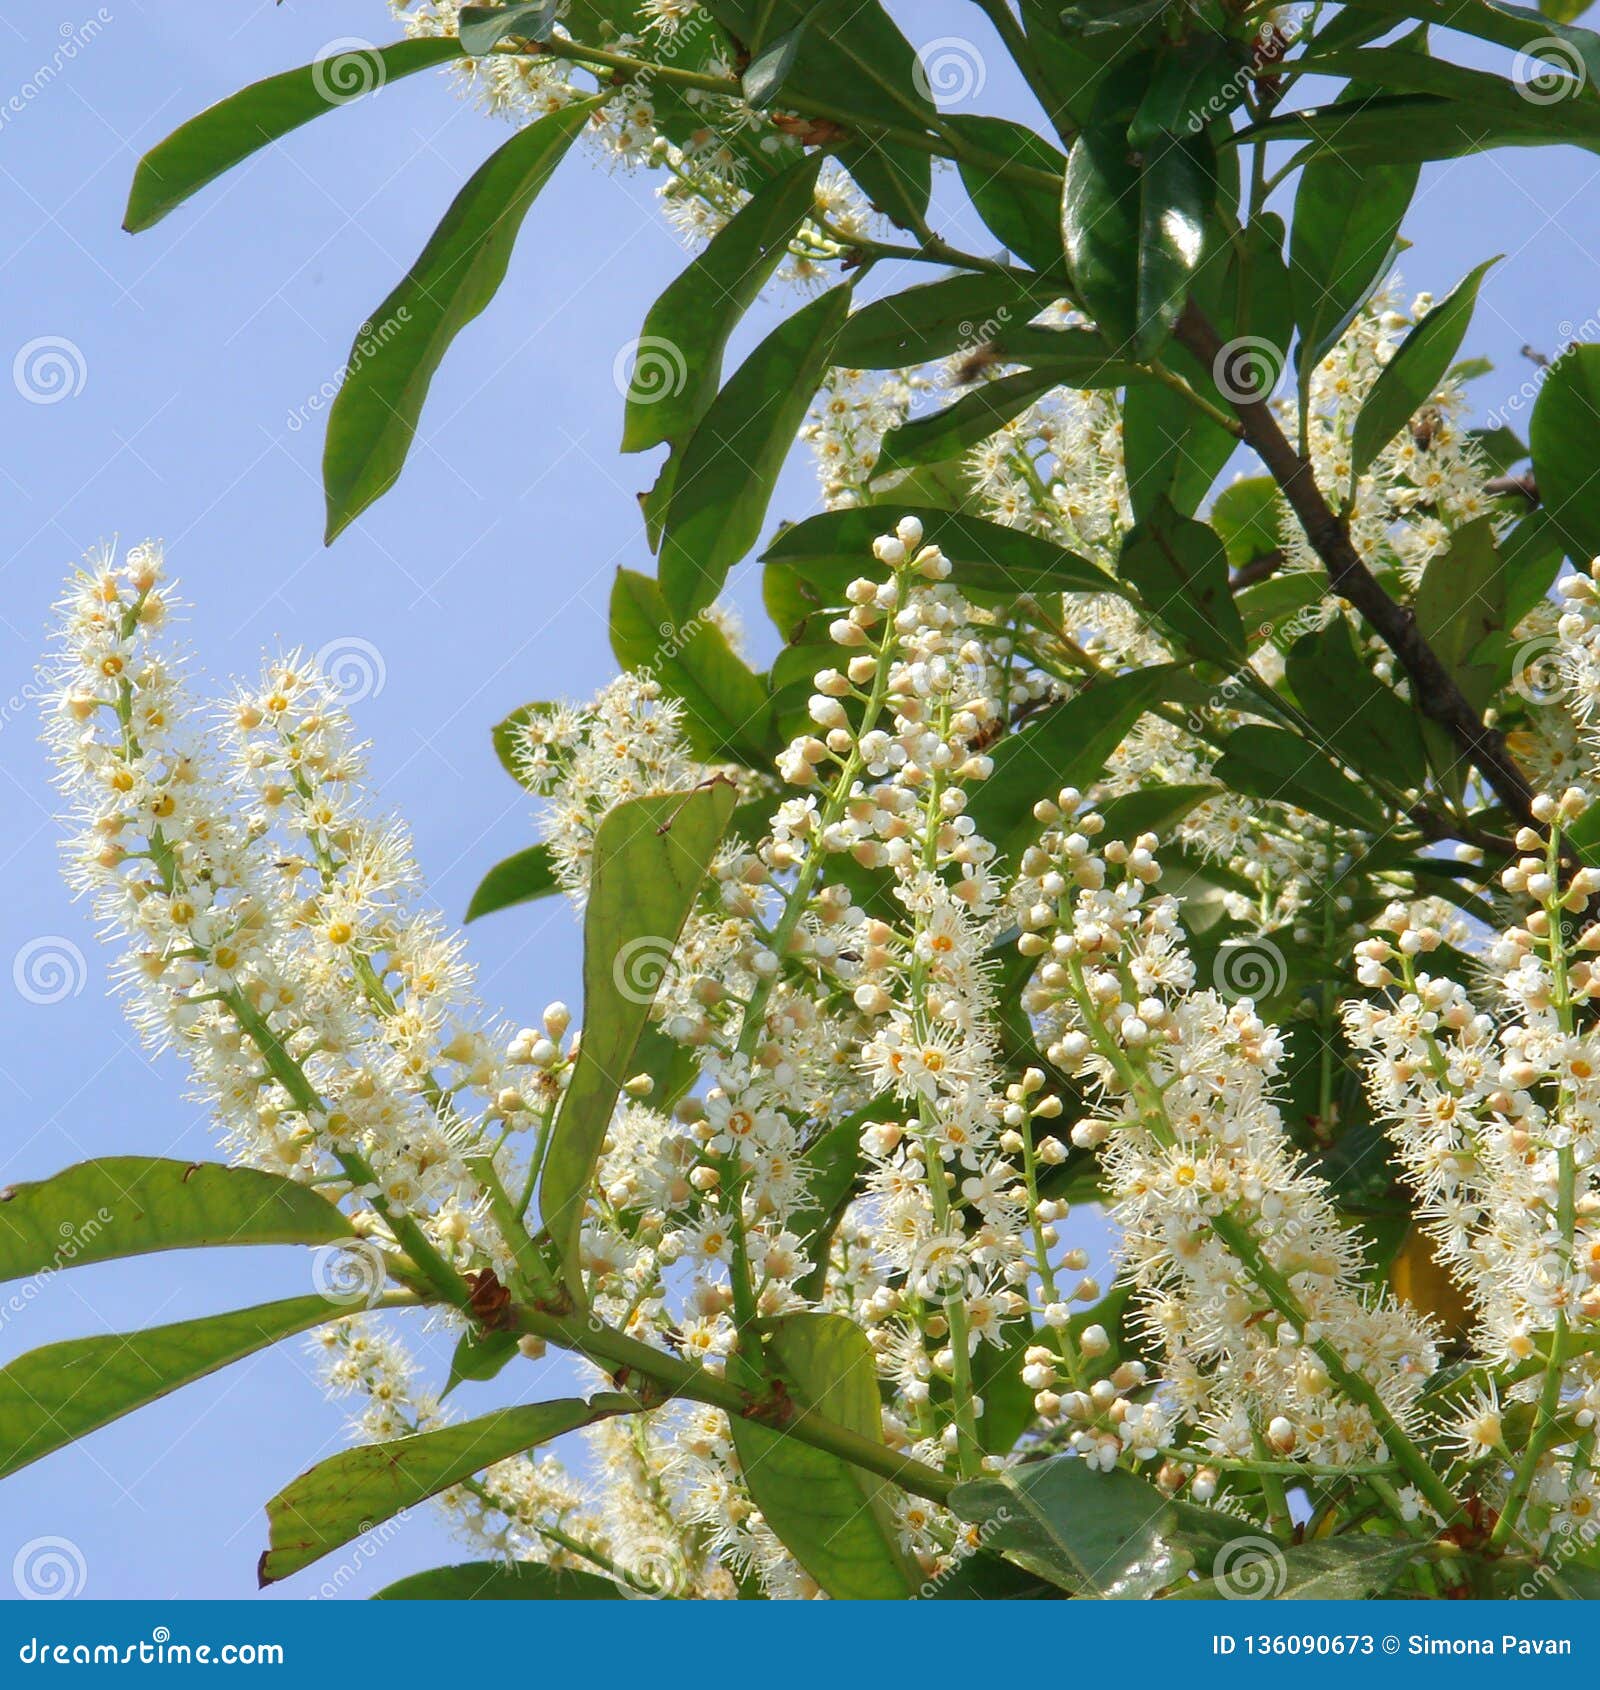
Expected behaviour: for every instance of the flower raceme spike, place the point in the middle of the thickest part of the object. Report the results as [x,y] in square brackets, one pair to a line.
[828,1118]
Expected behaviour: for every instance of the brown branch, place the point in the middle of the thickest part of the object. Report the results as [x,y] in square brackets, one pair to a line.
[1257,569]
[1433,686]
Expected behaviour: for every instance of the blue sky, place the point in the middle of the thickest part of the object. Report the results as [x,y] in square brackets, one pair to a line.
[194,354]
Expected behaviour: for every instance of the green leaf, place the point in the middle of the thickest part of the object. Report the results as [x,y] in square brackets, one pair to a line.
[1025,218]
[831,1164]
[934,320]
[1562,434]
[1180,569]
[1277,765]
[731,461]
[120,1206]
[375,412]
[350,1493]
[504,735]
[1530,555]
[768,73]
[518,879]
[483,28]
[725,705]
[1068,745]
[501,1581]
[1246,515]
[52,1396]
[1135,227]
[834,1518]
[479,1356]
[1344,1569]
[1414,373]
[228,132]
[1091,1533]
[1373,730]
[986,557]
[1075,357]
[650,861]
[1346,222]
[686,333]
[973,417]
[1193,83]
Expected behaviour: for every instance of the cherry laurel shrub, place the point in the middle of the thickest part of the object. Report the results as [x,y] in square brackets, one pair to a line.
[1103,835]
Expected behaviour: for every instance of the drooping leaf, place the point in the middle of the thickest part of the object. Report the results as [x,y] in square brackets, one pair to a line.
[1023,215]
[1566,418]
[1180,569]
[349,1493]
[1135,221]
[1275,764]
[518,879]
[725,705]
[52,1396]
[987,557]
[119,1206]
[686,333]
[375,412]
[1372,729]
[501,1581]
[1067,745]
[650,860]
[974,416]
[833,1517]
[1091,1533]
[730,463]
[1346,222]
[935,319]
[225,134]
[1411,376]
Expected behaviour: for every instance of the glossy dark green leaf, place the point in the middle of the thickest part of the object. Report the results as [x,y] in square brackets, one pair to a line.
[1180,570]
[986,557]
[1372,729]
[1272,763]
[1135,228]
[1346,222]
[770,70]
[482,28]
[119,1206]
[1193,84]
[725,705]
[678,358]
[375,412]
[730,463]
[934,320]
[1075,357]
[1522,29]
[1345,1569]
[518,879]
[228,132]
[1091,1533]
[1067,745]
[1562,435]
[1414,373]
[1024,216]
[52,1396]
[1530,556]
[974,417]
[650,861]
[836,1519]
[501,1581]
[350,1493]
